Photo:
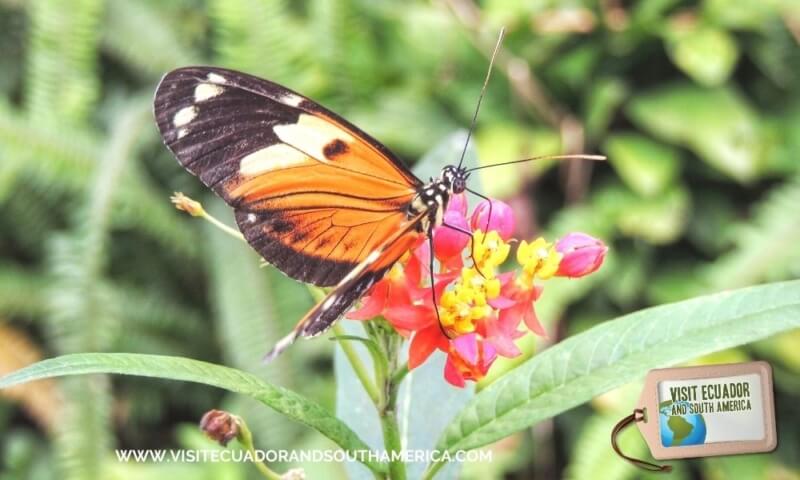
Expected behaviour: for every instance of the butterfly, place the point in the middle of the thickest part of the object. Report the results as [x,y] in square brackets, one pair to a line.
[314,195]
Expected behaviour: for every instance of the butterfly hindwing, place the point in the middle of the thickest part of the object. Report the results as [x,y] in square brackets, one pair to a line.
[313,194]
[353,285]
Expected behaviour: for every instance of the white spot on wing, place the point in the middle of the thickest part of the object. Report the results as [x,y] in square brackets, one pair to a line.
[215,78]
[204,91]
[374,255]
[182,132]
[184,116]
[291,99]
[271,158]
[251,217]
[310,134]
[329,302]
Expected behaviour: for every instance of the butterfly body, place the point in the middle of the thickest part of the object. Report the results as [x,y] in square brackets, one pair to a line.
[432,198]
[317,197]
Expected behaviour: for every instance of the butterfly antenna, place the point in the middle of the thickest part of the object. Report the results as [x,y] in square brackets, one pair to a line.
[483,92]
[576,156]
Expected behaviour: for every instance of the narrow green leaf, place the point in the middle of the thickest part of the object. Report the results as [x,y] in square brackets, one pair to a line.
[617,352]
[284,401]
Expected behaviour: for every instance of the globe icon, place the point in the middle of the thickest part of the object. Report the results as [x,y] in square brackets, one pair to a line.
[680,430]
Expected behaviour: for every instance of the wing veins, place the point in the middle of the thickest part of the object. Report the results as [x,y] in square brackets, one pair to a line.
[404,173]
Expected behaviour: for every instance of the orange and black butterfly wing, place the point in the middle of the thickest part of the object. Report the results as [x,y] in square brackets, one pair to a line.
[313,194]
[353,285]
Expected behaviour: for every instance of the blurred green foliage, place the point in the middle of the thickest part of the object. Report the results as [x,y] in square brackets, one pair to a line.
[696,103]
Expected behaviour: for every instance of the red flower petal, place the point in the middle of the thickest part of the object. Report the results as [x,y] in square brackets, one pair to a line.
[452,375]
[423,344]
[532,321]
[410,317]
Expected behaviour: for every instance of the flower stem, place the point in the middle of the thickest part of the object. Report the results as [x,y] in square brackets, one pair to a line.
[392,442]
[246,439]
[400,374]
[358,366]
[217,223]
[389,379]
[195,209]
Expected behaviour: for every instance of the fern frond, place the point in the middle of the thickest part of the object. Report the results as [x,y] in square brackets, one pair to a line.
[765,247]
[347,55]
[150,311]
[82,317]
[141,36]
[27,216]
[62,81]
[55,160]
[260,37]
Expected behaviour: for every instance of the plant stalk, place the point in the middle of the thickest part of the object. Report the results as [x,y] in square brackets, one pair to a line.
[245,438]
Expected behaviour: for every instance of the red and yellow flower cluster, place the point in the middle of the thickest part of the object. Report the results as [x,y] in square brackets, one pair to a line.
[479,309]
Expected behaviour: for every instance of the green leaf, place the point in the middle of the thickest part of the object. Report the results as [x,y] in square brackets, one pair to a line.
[659,220]
[754,15]
[705,53]
[717,124]
[646,166]
[620,351]
[284,401]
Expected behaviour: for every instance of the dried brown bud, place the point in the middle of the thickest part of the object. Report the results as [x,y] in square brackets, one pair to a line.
[186,204]
[220,426]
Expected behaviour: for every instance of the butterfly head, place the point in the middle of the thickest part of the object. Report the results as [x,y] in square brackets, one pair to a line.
[454,178]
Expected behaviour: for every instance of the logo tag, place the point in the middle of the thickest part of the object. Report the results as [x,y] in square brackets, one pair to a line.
[708,410]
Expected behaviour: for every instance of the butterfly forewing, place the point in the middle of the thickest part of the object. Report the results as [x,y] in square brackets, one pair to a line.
[313,194]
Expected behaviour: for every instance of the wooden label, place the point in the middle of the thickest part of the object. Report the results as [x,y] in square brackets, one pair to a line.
[708,410]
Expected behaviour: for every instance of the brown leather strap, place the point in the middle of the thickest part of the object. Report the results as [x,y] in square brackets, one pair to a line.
[638,415]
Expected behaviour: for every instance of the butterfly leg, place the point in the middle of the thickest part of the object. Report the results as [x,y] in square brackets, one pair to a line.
[433,288]
[471,250]
[484,197]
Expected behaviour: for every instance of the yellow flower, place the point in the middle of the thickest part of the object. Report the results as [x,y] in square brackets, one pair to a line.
[538,259]
[467,303]
[489,250]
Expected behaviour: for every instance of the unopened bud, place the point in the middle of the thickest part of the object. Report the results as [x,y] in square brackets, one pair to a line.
[220,426]
[186,204]
[582,255]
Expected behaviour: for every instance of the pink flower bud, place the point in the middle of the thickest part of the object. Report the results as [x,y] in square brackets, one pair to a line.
[502,219]
[582,254]
[458,202]
[447,241]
